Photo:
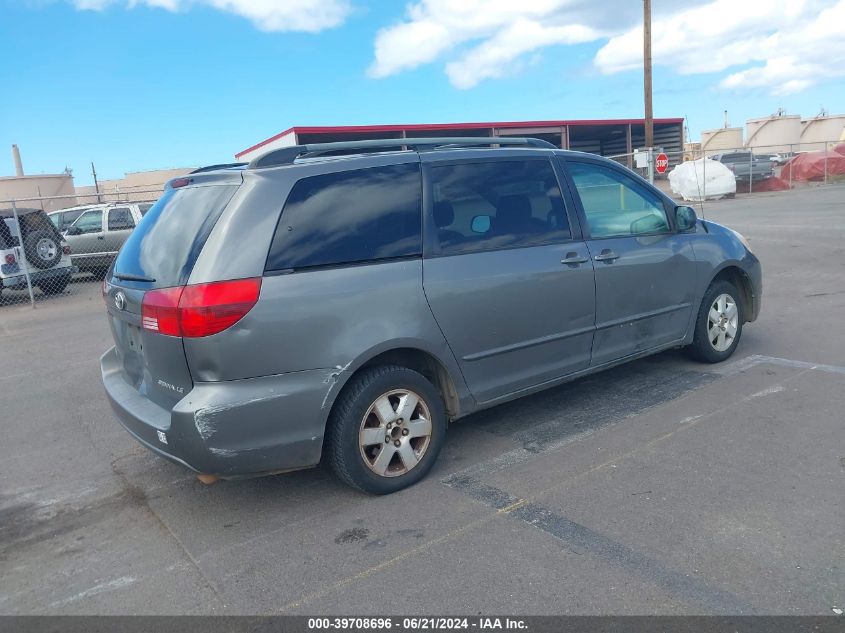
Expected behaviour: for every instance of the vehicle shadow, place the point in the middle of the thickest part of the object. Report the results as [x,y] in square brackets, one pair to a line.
[536,423]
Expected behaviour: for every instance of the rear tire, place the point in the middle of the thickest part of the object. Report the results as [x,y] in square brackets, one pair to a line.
[54,286]
[718,326]
[385,430]
[42,249]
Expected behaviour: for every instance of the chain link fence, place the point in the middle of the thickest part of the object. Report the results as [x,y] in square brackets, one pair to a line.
[759,168]
[45,254]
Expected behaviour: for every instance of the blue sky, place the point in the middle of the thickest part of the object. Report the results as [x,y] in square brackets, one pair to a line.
[133,86]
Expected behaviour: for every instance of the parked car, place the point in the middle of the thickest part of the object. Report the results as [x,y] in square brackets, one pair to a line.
[313,306]
[32,245]
[97,233]
[746,165]
[63,218]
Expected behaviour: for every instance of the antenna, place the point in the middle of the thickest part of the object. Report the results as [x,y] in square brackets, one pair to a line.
[695,170]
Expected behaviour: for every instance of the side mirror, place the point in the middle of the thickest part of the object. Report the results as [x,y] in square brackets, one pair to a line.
[685,218]
[73,230]
[480,224]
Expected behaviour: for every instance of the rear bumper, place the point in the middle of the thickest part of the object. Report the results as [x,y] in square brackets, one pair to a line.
[231,429]
[18,282]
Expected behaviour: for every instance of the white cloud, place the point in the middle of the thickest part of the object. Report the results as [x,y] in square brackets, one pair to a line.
[268,15]
[788,44]
[487,38]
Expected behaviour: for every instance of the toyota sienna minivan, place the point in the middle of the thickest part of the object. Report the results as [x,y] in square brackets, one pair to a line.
[345,301]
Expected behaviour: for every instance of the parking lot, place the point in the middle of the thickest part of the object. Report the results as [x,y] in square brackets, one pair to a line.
[660,487]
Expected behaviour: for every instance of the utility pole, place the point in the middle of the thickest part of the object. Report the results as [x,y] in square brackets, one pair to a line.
[649,115]
[96,184]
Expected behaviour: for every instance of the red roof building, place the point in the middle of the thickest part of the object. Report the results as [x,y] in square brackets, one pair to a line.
[607,137]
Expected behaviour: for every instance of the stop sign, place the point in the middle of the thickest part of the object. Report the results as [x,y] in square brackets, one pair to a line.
[661,163]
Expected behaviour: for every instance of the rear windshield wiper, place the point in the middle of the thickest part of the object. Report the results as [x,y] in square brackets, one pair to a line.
[131,277]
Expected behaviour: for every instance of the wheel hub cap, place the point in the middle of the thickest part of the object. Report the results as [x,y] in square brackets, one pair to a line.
[395,433]
[722,323]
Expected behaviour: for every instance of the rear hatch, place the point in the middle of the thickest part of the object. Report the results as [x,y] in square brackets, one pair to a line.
[156,260]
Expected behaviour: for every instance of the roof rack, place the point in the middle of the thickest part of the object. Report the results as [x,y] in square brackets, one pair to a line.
[215,167]
[287,155]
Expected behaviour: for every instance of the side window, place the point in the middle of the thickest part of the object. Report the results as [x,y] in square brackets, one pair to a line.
[362,215]
[144,207]
[90,222]
[497,204]
[615,204]
[120,219]
[68,218]
[56,219]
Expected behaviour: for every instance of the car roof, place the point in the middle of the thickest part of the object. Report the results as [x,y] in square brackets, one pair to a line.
[10,213]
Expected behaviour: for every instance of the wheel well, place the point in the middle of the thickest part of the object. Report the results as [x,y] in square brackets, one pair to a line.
[740,281]
[425,364]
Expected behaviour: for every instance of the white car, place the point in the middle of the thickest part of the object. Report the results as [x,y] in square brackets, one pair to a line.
[33,248]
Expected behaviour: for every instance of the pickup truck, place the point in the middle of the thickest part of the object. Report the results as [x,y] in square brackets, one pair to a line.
[746,166]
[97,234]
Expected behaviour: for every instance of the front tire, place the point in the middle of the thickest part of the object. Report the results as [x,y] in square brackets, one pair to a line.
[718,326]
[385,430]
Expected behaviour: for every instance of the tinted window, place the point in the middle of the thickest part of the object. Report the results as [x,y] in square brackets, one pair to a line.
[90,222]
[120,219]
[353,216]
[501,204]
[144,207]
[615,204]
[168,241]
[7,235]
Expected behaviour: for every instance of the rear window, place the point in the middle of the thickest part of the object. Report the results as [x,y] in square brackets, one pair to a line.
[169,238]
[354,216]
[7,235]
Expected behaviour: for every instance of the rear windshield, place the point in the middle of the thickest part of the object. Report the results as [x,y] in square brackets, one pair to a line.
[7,236]
[170,236]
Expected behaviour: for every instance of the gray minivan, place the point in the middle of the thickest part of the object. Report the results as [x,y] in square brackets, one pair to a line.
[345,301]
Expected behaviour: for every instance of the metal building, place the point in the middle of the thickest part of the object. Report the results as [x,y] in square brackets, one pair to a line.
[607,137]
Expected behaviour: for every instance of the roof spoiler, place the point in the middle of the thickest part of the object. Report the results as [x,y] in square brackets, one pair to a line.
[215,167]
[287,155]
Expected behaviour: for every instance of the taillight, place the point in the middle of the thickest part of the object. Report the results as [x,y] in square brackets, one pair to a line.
[160,311]
[199,310]
[10,259]
[66,249]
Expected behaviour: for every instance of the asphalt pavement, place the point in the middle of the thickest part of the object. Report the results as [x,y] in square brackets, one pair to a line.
[659,487]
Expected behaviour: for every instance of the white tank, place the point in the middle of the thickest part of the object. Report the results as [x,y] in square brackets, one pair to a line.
[772,134]
[821,131]
[721,139]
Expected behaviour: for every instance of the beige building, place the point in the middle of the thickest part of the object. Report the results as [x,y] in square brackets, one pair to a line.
[19,188]
[133,187]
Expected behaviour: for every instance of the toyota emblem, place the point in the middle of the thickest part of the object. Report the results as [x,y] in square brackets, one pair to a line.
[119,300]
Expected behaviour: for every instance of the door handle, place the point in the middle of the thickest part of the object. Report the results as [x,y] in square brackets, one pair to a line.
[101,237]
[606,255]
[573,259]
